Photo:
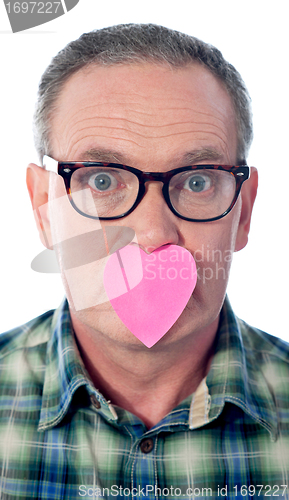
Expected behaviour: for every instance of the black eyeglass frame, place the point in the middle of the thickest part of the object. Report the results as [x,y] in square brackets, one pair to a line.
[66,168]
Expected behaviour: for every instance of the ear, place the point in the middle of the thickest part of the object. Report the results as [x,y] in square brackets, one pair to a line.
[37,180]
[248,195]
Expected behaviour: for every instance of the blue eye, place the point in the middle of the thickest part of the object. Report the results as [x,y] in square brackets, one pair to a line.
[102,181]
[197,183]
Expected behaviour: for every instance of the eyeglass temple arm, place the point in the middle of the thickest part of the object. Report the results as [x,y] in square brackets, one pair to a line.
[50,164]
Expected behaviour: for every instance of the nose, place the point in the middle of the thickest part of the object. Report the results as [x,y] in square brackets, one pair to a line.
[152,220]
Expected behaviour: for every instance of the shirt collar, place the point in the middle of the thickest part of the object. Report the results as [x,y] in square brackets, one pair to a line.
[65,374]
[234,377]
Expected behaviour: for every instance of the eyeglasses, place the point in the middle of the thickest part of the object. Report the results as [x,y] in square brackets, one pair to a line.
[108,191]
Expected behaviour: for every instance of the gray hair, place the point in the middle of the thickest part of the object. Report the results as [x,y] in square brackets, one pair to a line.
[129,43]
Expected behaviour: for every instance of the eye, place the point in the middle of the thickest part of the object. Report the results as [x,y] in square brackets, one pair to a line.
[198,183]
[102,181]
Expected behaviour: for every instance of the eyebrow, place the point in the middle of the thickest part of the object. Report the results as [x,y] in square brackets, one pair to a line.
[203,155]
[206,154]
[103,155]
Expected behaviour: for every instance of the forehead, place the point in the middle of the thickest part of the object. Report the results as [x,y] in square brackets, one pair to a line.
[143,108]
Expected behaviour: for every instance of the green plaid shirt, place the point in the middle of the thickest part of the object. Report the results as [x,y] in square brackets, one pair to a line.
[60,438]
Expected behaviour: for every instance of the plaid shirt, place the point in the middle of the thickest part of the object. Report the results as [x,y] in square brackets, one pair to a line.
[60,439]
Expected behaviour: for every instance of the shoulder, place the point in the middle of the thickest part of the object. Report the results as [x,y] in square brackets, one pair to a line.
[34,333]
[265,349]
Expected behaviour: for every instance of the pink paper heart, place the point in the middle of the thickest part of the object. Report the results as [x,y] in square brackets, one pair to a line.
[149,292]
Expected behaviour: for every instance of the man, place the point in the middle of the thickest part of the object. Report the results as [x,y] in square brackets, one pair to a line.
[87,409]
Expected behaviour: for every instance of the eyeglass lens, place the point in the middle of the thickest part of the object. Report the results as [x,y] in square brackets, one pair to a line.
[110,192]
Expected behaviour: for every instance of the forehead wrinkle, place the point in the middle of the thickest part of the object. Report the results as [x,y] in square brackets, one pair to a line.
[141,117]
[132,125]
[130,122]
[125,110]
[107,155]
[156,101]
[146,100]
[215,130]
[79,157]
[117,157]
[195,156]
[157,127]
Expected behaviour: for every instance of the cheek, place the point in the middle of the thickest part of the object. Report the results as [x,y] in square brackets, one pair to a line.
[212,246]
[66,222]
[213,265]
[76,240]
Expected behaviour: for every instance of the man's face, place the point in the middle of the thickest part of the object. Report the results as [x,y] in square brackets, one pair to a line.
[154,118]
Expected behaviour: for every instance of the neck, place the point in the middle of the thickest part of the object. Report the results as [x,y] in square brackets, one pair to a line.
[147,382]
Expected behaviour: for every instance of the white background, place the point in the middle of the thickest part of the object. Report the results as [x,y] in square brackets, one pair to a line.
[253,36]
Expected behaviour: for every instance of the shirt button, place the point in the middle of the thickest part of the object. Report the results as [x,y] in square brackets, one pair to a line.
[94,401]
[146,445]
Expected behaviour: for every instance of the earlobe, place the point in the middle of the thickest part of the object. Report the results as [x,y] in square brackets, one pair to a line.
[37,180]
[248,195]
